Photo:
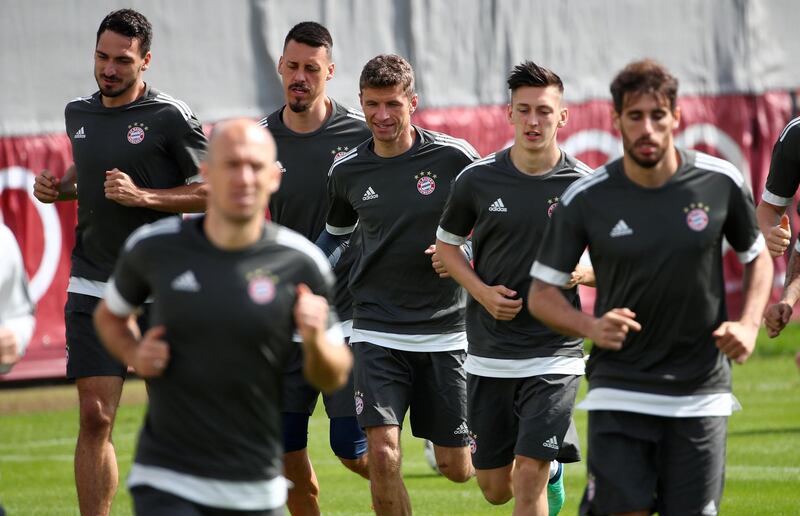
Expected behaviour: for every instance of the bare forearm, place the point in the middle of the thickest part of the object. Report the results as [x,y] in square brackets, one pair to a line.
[548,304]
[459,268]
[68,186]
[791,289]
[189,198]
[768,216]
[756,286]
[326,366]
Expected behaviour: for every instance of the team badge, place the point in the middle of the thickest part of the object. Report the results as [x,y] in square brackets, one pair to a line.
[551,206]
[338,152]
[696,216]
[426,182]
[473,443]
[136,133]
[261,287]
[359,399]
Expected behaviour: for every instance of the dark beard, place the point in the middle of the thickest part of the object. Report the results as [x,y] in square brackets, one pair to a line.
[298,107]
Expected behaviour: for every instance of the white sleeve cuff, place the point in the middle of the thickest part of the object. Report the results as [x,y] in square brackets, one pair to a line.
[775,200]
[336,231]
[549,275]
[450,238]
[750,255]
[115,302]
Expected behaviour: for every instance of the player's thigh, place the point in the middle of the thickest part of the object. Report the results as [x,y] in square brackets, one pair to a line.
[298,395]
[621,462]
[86,354]
[692,466]
[341,403]
[439,403]
[492,423]
[546,430]
[382,380]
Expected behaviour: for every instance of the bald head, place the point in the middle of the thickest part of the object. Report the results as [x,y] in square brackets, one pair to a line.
[240,170]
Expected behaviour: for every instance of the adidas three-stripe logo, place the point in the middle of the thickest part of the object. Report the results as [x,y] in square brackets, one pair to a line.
[551,443]
[498,206]
[80,134]
[462,429]
[369,194]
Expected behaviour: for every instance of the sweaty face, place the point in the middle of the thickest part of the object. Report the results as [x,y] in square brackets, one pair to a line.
[118,63]
[304,70]
[241,173]
[536,115]
[646,125]
[388,112]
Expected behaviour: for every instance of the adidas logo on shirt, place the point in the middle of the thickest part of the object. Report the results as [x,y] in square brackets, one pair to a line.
[369,194]
[80,134]
[462,429]
[551,443]
[498,206]
[186,282]
[621,229]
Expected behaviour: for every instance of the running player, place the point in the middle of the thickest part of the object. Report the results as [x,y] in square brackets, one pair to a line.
[311,130]
[522,377]
[134,148]
[659,372]
[408,327]
[225,306]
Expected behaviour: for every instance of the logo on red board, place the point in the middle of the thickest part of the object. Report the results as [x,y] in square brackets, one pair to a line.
[136,133]
[697,216]
[426,182]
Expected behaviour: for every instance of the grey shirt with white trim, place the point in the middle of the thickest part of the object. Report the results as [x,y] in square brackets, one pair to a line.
[657,251]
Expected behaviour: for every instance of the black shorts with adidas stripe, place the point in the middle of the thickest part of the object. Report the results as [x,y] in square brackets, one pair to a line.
[389,382]
[507,211]
[531,417]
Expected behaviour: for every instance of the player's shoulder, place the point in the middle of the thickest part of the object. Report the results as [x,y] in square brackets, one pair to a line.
[154,232]
[347,113]
[168,103]
[445,142]
[791,132]
[712,164]
[272,121]
[303,247]
[478,168]
[350,159]
[85,103]
[578,167]
[586,183]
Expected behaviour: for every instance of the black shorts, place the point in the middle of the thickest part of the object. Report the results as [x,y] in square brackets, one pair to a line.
[86,355]
[148,501]
[529,416]
[432,384]
[300,397]
[671,465]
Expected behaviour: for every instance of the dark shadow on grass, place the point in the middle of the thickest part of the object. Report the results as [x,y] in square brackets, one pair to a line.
[764,431]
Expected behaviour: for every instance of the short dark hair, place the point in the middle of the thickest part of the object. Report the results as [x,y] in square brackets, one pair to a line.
[387,70]
[646,76]
[131,24]
[312,34]
[529,73]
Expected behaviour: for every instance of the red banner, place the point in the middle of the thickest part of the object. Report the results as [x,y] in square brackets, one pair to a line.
[738,128]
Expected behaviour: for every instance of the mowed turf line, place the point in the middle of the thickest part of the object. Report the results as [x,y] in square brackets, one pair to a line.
[763,475]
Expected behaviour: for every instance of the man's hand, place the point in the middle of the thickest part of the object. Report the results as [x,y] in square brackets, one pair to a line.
[310,313]
[152,354]
[582,275]
[497,300]
[119,187]
[776,317]
[9,349]
[778,237]
[737,340]
[436,262]
[46,187]
[610,330]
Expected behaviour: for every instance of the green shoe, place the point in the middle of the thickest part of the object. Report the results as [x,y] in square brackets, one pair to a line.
[555,492]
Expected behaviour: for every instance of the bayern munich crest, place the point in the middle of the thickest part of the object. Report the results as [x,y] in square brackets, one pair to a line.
[426,182]
[136,133]
[697,216]
[359,399]
[260,287]
[551,206]
[338,152]
[473,442]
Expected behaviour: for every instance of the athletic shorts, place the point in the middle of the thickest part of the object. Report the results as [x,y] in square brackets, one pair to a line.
[432,384]
[671,465]
[149,501]
[529,416]
[300,397]
[86,355]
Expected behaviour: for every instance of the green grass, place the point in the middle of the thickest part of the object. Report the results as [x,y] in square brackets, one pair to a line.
[763,474]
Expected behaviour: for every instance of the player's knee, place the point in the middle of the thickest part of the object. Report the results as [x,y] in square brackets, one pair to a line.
[96,417]
[455,470]
[347,440]
[384,457]
[531,470]
[295,431]
[497,494]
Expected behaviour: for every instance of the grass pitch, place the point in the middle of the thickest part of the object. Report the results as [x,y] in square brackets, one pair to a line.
[38,426]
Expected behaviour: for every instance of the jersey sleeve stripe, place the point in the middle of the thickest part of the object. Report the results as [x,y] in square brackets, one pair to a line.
[161,227]
[450,238]
[775,200]
[485,161]
[462,145]
[352,153]
[358,115]
[182,108]
[296,241]
[336,231]
[714,164]
[549,275]
[788,128]
[751,254]
[584,183]
[115,302]
[582,168]
[81,99]
[197,178]
[264,122]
